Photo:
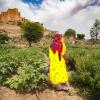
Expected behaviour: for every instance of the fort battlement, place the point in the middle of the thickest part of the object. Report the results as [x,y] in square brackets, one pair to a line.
[11,15]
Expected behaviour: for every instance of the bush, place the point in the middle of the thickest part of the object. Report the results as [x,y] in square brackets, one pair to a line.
[3,38]
[80,36]
[20,69]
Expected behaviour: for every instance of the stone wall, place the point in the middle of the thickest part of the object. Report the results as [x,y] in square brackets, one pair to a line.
[11,15]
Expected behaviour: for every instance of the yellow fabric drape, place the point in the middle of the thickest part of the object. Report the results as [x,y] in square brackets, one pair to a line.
[58,73]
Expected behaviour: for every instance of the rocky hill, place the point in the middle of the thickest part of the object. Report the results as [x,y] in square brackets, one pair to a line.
[10,30]
[9,24]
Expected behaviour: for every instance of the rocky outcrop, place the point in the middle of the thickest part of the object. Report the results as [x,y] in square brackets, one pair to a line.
[11,30]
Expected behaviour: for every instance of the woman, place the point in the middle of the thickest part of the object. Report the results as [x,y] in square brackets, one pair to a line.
[57,55]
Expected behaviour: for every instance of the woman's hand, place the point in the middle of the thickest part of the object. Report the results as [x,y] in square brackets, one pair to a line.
[66,57]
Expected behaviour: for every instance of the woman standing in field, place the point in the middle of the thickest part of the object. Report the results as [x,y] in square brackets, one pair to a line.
[57,55]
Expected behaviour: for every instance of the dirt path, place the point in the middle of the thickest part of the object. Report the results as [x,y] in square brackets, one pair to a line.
[7,94]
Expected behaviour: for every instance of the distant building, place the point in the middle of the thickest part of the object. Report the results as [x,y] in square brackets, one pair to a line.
[11,15]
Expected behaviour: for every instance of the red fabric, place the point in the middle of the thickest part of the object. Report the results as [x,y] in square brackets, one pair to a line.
[57,44]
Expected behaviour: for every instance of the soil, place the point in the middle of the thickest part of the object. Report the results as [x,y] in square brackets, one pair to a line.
[47,94]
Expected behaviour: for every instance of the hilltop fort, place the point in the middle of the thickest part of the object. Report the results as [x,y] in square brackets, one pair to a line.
[11,15]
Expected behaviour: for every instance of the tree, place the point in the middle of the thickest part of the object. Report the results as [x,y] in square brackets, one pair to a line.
[33,32]
[80,36]
[3,38]
[95,30]
[70,32]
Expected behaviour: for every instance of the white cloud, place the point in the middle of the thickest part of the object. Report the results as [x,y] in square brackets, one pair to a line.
[58,15]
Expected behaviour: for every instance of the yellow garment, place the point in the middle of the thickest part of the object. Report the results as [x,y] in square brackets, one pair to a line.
[58,72]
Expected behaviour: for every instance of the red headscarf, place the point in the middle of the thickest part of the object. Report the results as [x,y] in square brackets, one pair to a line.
[56,45]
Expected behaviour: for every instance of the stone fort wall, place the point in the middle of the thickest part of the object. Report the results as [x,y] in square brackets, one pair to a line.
[11,15]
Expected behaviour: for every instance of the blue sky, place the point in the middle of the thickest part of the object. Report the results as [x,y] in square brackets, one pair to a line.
[58,15]
[34,1]
[38,2]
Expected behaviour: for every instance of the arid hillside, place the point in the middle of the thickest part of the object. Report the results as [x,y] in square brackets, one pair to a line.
[10,30]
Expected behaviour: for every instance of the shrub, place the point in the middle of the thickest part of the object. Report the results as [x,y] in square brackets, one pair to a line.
[80,36]
[3,38]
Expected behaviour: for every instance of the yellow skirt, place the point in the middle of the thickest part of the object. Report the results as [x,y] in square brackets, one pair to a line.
[58,72]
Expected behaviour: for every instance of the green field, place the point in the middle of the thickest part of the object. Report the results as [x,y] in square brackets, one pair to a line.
[86,71]
[87,66]
[20,68]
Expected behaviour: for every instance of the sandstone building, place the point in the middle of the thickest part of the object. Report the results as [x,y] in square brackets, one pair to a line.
[11,15]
